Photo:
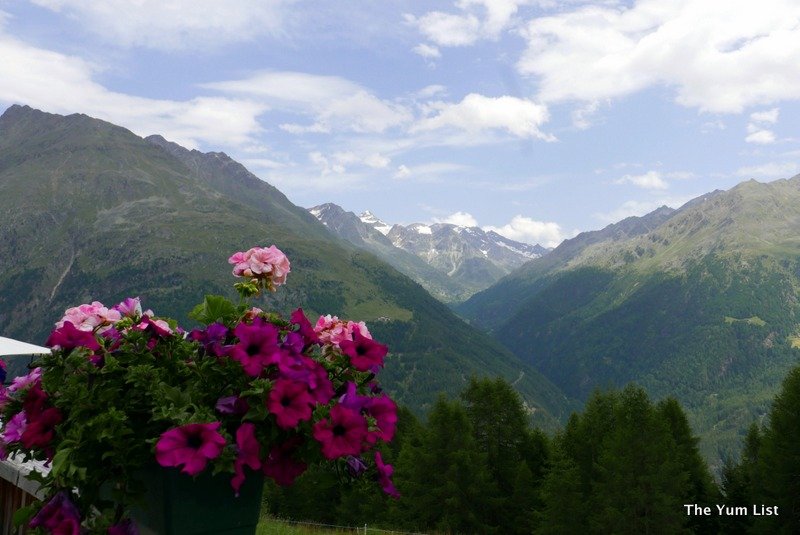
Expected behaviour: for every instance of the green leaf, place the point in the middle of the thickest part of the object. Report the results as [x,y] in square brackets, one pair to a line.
[214,308]
[23,515]
[60,459]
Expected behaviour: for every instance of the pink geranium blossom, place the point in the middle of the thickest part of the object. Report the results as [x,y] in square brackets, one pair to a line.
[343,434]
[90,317]
[190,446]
[332,330]
[262,263]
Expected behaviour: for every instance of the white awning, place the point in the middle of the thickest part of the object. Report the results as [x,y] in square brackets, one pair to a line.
[9,347]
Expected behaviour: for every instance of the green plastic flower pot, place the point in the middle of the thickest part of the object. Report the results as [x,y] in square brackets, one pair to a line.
[177,504]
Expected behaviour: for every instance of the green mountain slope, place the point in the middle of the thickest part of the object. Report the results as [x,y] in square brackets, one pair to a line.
[702,306]
[91,211]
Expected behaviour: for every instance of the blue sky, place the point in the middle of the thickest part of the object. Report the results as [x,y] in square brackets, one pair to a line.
[536,118]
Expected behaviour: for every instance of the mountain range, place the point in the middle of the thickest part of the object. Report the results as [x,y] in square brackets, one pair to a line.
[698,303]
[464,259]
[93,212]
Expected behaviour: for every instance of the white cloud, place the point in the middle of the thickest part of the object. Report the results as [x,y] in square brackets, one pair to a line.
[430,91]
[640,208]
[527,230]
[476,19]
[402,172]
[462,219]
[762,137]
[478,113]
[767,116]
[582,116]
[719,55]
[175,24]
[332,102]
[648,180]
[60,83]
[339,162]
[427,51]
[770,170]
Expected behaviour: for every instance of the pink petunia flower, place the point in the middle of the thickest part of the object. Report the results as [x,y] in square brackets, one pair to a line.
[190,446]
[306,330]
[12,431]
[24,381]
[343,434]
[290,402]
[131,307]
[385,472]
[281,465]
[249,452]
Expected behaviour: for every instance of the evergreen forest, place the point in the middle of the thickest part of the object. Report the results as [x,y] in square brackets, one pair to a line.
[626,464]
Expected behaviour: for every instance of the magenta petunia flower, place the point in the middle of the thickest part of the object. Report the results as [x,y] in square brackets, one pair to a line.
[58,516]
[68,337]
[306,370]
[305,329]
[385,472]
[281,465]
[384,410]
[343,434]
[290,402]
[154,327]
[40,431]
[35,399]
[249,452]
[365,354]
[190,446]
[257,347]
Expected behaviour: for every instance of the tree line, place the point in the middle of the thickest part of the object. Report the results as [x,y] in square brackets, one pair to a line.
[624,465]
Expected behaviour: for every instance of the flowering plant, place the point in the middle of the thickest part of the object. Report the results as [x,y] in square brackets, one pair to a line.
[248,393]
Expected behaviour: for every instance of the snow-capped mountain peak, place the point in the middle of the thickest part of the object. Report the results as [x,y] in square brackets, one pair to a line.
[371,219]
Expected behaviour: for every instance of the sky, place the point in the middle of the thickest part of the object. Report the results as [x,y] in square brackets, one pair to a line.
[535,118]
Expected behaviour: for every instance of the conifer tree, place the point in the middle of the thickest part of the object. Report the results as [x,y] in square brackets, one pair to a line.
[443,476]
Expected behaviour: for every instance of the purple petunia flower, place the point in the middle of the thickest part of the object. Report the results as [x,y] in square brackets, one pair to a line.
[281,465]
[59,515]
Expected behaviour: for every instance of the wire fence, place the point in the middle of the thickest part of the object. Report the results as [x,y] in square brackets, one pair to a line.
[365,529]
